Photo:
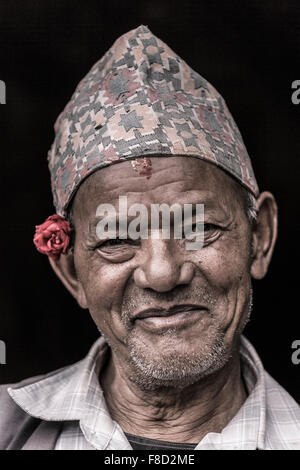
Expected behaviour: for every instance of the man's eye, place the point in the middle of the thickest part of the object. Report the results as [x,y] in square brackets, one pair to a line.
[210,227]
[113,242]
[117,250]
[207,228]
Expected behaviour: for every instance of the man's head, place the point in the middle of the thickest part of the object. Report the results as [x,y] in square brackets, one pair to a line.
[136,289]
[144,125]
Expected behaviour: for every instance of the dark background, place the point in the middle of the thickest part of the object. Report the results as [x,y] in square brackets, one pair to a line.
[249,50]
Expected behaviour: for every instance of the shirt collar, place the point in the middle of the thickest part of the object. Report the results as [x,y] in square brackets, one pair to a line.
[246,431]
[74,393]
[61,396]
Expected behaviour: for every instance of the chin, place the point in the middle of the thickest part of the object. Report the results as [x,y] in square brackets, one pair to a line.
[174,366]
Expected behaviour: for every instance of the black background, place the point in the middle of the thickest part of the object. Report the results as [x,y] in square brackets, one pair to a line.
[249,50]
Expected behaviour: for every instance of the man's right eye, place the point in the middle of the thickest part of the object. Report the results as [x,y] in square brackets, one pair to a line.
[113,242]
[116,250]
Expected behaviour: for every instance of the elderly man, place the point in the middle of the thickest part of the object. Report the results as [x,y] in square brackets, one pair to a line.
[171,369]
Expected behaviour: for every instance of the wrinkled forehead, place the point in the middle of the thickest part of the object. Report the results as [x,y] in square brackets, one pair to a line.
[171,180]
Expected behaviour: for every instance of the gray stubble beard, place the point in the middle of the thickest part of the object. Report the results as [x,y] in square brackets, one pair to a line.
[179,371]
[154,372]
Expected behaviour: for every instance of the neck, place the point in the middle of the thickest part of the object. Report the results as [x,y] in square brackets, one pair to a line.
[171,415]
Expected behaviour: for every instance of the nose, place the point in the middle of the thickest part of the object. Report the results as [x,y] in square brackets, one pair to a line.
[162,268]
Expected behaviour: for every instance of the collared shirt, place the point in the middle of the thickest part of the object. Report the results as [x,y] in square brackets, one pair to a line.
[269,419]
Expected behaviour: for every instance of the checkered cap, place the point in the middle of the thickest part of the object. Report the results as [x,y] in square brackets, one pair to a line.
[142,99]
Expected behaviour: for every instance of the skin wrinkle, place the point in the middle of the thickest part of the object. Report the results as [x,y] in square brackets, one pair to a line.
[184,381]
[155,410]
[177,399]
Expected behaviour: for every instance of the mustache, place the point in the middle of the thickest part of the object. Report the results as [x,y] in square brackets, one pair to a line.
[135,298]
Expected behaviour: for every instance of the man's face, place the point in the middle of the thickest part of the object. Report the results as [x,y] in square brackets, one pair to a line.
[171,315]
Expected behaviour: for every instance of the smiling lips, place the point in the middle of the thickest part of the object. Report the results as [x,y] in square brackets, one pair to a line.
[176,316]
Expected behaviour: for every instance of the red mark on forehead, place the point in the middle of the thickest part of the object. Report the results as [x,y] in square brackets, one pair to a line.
[143,166]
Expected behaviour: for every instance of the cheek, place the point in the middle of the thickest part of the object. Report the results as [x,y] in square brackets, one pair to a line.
[226,266]
[234,253]
[226,270]
[104,284]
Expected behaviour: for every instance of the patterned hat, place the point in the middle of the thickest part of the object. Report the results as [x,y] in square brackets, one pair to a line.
[141,99]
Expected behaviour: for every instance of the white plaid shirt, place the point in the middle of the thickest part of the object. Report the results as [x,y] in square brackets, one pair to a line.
[269,419]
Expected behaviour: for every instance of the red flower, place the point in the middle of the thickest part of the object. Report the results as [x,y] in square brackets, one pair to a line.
[53,236]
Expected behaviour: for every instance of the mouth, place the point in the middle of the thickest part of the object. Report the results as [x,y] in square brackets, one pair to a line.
[178,316]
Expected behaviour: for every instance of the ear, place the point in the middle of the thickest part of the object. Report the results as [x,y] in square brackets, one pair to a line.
[264,234]
[64,268]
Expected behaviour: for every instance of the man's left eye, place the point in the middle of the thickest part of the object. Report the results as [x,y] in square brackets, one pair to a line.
[210,232]
[210,227]
[206,228]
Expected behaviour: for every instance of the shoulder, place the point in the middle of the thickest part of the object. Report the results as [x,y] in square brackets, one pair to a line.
[47,398]
[12,417]
[15,423]
[282,417]
[23,383]
[7,405]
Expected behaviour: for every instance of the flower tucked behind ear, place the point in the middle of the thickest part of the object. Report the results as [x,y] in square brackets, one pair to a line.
[53,236]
